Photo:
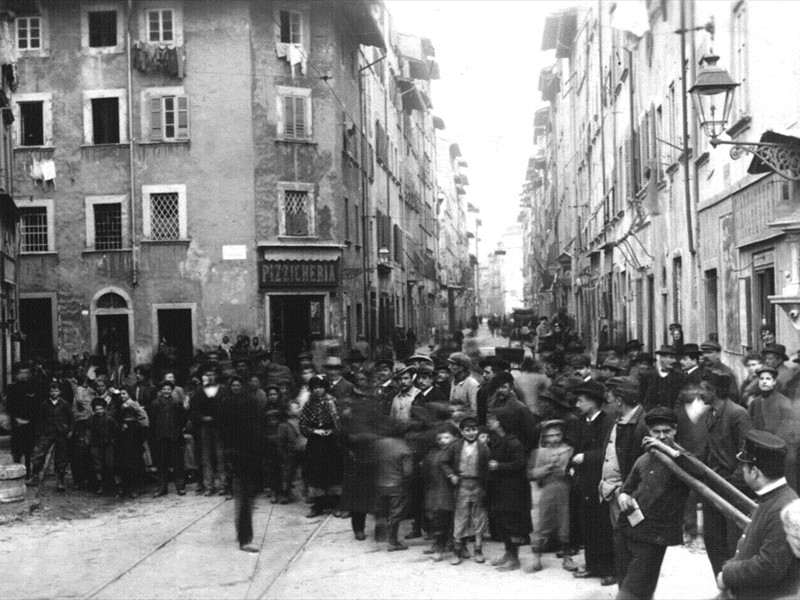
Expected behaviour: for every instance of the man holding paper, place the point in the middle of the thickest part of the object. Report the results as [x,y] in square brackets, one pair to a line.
[651,505]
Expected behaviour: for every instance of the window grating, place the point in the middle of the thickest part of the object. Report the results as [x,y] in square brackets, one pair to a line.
[33,228]
[165,216]
[107,226]
[296,209]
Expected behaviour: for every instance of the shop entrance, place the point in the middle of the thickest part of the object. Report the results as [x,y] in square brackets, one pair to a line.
[295,323]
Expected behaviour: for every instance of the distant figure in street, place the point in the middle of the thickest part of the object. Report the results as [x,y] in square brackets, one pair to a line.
[474,322]
[23,399]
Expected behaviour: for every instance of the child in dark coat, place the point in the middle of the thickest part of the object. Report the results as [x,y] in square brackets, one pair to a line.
[439,497]
[103,434]
[281,456]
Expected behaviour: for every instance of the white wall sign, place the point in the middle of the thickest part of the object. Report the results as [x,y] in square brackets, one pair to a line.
[234,252]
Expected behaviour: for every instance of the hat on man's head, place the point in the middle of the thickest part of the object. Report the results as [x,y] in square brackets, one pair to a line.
[645,357]
[674,326]
[460,359]
[501,378]
[333,362]
[627,387]
[613,364]
[710,346]
[767,369]
[167,383]
[383,362]
[765,451]
[488,361]
[305,357]
[690,350]
[633,345]
[468,421]
[98,401]
[661,414]
[554,423]
[404,371]
[424,358]
[556,394]
[440,365]
[426,370]
[667,350]
[591,389]
[579,361]
[777,349]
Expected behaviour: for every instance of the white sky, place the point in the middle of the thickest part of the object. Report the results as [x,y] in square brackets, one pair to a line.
[489,57]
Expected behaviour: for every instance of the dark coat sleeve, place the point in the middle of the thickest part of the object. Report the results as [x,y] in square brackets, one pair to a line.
[765,568]
[517,457]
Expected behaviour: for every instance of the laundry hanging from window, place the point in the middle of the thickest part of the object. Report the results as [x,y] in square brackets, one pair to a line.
[148,57]
[294,55]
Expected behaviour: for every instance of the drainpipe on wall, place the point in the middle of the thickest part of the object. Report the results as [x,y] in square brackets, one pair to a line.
[132,181]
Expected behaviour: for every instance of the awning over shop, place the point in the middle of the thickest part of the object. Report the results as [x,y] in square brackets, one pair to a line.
[541,118]
[299,252]
[412,98]
[549,84]
[791,167]
[363,25]
[438,122]
[559,32]
[455,151]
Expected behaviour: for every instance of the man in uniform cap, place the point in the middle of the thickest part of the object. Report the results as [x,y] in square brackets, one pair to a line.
[651,491]
[661,387]
[764,565]
[588,464]
[712,356]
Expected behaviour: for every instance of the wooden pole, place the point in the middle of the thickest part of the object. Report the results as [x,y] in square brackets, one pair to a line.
[743,502]
[706,492]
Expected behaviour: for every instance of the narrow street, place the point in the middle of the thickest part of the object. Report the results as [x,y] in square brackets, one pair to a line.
[185,548]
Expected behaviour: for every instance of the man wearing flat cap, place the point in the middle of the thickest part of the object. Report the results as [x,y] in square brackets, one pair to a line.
[464,389]
[588,465]
[401,403]
[712,357]
[651,491]
[764,565]
[662,386]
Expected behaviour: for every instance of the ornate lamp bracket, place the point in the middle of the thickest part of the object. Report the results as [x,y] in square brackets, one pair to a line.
[784,159]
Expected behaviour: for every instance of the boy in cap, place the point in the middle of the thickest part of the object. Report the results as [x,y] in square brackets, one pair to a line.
[466,464]
[764,565]
[103,434]
[547,470]
[168,419]
[55,427]
[655,493]
[439,497]
[661,387]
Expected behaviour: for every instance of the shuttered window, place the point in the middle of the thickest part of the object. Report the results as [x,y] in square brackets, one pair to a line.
[294,118]
[169,118]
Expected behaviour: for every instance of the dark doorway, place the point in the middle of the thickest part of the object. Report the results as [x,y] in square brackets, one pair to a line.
[113,341]
[175,336]
[296,322]
[36,325]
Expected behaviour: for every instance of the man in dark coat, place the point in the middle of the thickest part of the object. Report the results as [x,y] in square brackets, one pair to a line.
[168,417]
[764,565]
[588,464]
[340,388]
[23,399]
[651,491]
[689,360]
[726,425]
[238,422]
[661,387]
[712,358]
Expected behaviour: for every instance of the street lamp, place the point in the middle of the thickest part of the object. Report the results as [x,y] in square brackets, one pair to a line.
[712,94]
[383,256]
[713,90]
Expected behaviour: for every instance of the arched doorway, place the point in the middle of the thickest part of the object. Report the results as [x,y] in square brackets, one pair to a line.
[112,330]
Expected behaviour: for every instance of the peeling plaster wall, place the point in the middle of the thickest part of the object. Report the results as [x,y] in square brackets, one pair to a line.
[216,167]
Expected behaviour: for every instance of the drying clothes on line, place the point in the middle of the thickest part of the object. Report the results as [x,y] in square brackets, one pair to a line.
[294,55]
[48,169]
[152,57]
[8,45]
[43,170]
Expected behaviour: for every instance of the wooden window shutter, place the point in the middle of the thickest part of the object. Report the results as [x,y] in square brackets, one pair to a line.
[294,117]
[156,131]
[182,131]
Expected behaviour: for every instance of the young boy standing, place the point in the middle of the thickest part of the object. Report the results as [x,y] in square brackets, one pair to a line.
[439,500]
[466,464]
[103,434]
[55,427]
[547,469]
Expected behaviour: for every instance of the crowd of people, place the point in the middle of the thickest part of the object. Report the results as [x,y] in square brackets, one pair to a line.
[557,455]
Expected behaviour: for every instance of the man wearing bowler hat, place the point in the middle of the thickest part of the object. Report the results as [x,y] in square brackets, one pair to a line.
[764,565]
[588,464]
[689,359]
[653,492]
[775,356]
[661,387]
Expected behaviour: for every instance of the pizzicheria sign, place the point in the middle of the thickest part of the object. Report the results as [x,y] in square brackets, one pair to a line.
[298,273]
